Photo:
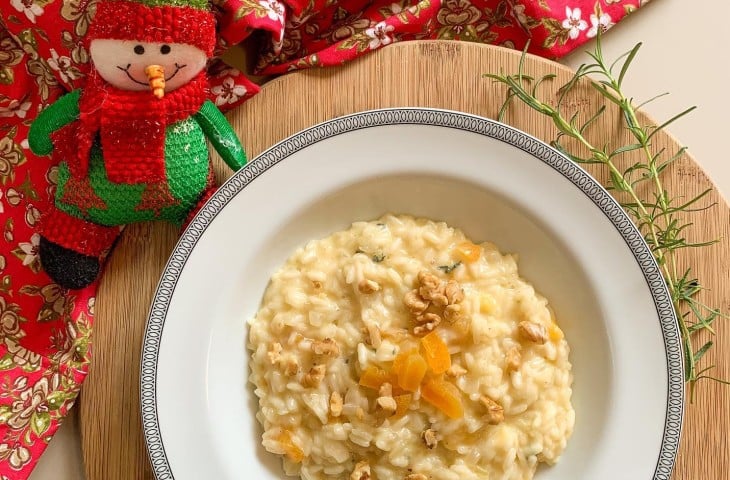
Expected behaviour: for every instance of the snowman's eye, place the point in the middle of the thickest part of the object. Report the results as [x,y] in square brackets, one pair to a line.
[139,49]
[165,49]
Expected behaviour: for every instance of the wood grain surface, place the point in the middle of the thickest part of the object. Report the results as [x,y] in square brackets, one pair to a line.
[430,74]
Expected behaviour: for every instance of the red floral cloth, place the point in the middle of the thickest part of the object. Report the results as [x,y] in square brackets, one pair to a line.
[45,332]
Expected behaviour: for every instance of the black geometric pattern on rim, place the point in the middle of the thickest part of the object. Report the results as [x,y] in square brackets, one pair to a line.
[421,116]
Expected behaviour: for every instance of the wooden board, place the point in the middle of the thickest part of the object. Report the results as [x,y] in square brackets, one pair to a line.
[432,74]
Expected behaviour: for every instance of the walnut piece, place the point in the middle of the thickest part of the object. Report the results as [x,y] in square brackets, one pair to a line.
[385,398]
[454,293]
[325,347]
[291,367]
[452,312]
[432,288]
[315,376]
[428,280]
[361,471]
[416,476]
[512,359]
[423,330]
[456,371]
[428,318]
[429,438]
[495,412]
[336,404]
[415,303]
[385,390]
[432,291]
[533,332]
[274,353]
[368,286]
[426,323]
[374,337]
[387,404]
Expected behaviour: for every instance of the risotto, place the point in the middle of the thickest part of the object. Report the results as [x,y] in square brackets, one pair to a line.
[400,350]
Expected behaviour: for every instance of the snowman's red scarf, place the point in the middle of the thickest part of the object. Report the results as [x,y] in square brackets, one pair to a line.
[131,127]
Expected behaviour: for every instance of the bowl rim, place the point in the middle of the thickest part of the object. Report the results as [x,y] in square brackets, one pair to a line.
[590,187]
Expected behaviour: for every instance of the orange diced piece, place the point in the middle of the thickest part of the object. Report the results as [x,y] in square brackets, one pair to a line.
[444,396]
[294,453]
[437,353]
[402,402]
[468,252]
[555,333]
[373,377]
[412,372]
[400,361]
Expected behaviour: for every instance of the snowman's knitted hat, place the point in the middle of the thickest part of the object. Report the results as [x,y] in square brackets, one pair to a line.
[166,21]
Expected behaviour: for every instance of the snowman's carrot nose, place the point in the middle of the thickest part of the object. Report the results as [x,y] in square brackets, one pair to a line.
[156,78]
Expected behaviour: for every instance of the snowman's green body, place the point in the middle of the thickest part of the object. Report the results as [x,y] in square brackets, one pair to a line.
[187,170]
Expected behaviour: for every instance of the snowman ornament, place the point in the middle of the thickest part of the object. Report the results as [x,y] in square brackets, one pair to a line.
[131,145]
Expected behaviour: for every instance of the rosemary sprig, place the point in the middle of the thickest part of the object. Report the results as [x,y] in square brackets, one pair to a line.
[639,188]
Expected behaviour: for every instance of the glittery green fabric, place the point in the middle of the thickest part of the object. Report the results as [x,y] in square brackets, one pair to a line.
[63,111]
[187,168]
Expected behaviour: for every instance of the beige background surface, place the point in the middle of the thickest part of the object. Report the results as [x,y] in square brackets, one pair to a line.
[681,54]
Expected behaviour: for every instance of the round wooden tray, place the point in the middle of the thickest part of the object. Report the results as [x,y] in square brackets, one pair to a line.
[429,74]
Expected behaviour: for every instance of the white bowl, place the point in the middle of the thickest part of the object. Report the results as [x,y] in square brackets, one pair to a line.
[575,244]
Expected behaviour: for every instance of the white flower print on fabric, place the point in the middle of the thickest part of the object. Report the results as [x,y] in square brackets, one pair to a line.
[62,65]
[28,7]
[379,35]
[30,249]
[274,10]
[599,23]
[228,92]
[573,23]
[15,107]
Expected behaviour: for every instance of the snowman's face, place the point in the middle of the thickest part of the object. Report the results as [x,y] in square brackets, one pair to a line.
[122,62]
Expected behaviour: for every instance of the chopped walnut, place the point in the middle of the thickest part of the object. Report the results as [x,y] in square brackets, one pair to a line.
[373,333]
[512,358]
[291,367]
[423,330]
[428,318]
[454,293]
[385,398]
[416,476]
[429,438]
[336,404]
[361,471]
[360,413]
[274,353]
[452,312]
[387,404]
[533,332]
[426,323]
[385,390]
[428,280]
[368,286]
[415,303]
[325,347]
[456,371]
[432,288]
[316,284]
[315,376]
[495,412]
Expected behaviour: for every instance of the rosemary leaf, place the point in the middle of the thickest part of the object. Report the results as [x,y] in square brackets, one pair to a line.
[658,215]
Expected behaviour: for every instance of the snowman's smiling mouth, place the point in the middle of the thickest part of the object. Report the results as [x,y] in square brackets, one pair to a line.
[178,67]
